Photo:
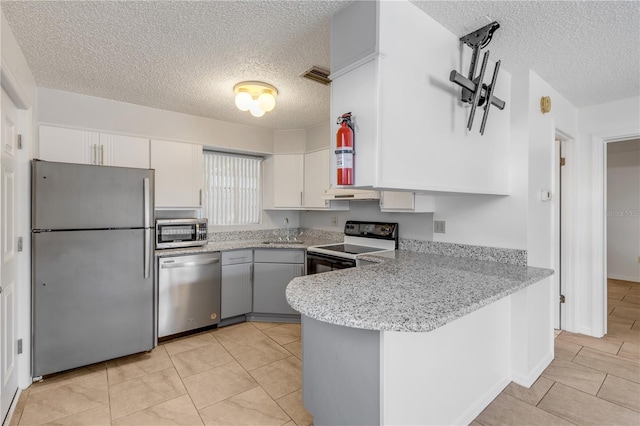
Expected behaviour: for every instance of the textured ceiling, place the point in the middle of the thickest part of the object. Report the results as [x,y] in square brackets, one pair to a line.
[186,56]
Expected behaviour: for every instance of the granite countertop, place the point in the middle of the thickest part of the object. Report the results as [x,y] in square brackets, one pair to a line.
[244,244]
[415,292]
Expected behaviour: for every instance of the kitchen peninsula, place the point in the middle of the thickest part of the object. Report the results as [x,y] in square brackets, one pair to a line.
[420,339]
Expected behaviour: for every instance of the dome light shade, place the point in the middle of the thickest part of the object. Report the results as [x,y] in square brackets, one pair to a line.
[255,109]
[256,97]
[243,101]
[267,102]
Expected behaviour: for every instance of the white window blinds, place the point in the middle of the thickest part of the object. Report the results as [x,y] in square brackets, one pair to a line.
[232,189]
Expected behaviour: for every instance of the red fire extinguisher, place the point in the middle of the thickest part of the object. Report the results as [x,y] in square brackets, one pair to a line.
[344,150]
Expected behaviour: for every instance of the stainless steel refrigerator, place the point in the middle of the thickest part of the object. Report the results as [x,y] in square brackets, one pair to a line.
[92,258]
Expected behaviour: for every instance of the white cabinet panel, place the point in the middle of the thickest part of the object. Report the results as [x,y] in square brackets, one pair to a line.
[66,145]
[283,181]
[124,151]
[316,178]
[179,173]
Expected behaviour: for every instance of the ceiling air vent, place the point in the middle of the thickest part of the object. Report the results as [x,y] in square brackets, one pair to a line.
[317,74]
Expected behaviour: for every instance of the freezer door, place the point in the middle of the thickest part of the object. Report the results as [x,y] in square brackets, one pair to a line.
[91,300]
[78,196]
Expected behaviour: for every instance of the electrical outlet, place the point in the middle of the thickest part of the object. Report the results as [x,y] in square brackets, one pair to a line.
[334,221]
[439,227]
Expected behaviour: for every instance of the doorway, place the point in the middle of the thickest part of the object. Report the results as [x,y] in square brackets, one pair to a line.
[622,232]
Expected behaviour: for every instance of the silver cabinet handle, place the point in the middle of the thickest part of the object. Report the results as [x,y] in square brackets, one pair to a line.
[95,149]
[301,200]
[200,203]
[102,155]
[168,265]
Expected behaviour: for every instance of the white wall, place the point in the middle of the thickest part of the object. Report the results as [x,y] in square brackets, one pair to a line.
[290,141]
[623,218]
[72,109]
[19,83]
[318,136]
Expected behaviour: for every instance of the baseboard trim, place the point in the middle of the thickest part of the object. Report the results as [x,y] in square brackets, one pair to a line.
[533,375]
[474,411]
[624,278]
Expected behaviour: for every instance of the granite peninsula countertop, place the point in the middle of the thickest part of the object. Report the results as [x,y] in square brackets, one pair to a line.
[415,292]
[213,246]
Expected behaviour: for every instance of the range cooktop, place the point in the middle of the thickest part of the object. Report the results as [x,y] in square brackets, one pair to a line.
[351,248]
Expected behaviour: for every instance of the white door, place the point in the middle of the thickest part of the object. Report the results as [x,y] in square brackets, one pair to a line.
[8,350]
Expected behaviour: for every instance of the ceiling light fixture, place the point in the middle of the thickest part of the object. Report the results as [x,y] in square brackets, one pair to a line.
[256,97]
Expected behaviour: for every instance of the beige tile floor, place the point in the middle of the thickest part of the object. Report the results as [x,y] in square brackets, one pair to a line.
[245,374]
[590,382]
[250,374]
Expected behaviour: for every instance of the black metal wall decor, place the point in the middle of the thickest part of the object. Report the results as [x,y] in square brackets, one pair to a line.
[474,91]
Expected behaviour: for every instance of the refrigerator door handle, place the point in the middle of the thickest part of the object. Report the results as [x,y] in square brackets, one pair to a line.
[147,252]
[147,200]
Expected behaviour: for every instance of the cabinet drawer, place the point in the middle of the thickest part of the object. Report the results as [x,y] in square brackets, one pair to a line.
[237,256]
[279,256]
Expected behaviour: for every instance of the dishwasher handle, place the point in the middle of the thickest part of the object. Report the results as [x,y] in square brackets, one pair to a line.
[171,263]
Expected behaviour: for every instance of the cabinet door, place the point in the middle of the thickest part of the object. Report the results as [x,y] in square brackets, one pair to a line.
[270,284]
[68,145]
[124,151]
[179,173]
[316,178]
[288,178]
[236,293]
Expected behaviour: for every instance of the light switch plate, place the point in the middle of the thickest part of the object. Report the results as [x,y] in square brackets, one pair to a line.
[439,227]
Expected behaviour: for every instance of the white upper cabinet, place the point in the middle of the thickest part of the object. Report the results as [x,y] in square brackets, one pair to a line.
[179,174]
[66,145]
[298,182]
[316,179]
[283,181]
[410,125]
[317,182]
[81,146]
[124,151]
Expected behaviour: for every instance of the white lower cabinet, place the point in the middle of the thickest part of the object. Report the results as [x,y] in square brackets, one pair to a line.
[273,270]
[237,283]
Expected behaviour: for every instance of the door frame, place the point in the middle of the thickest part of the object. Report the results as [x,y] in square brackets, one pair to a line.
[12,86]
[599,143]
[563,231]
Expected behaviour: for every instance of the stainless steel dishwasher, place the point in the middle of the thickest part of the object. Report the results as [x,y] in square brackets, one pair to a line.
[189,292]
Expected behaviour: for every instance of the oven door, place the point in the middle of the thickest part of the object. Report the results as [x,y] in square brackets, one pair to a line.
[317,263]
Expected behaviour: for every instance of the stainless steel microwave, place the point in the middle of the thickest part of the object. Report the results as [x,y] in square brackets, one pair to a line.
[173,233]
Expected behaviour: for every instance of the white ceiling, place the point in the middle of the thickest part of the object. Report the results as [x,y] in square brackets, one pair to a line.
[186,56]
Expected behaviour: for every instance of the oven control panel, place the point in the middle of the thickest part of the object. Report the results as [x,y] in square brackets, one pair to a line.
[381,230]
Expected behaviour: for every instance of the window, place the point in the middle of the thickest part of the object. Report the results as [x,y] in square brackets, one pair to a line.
[232,189]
